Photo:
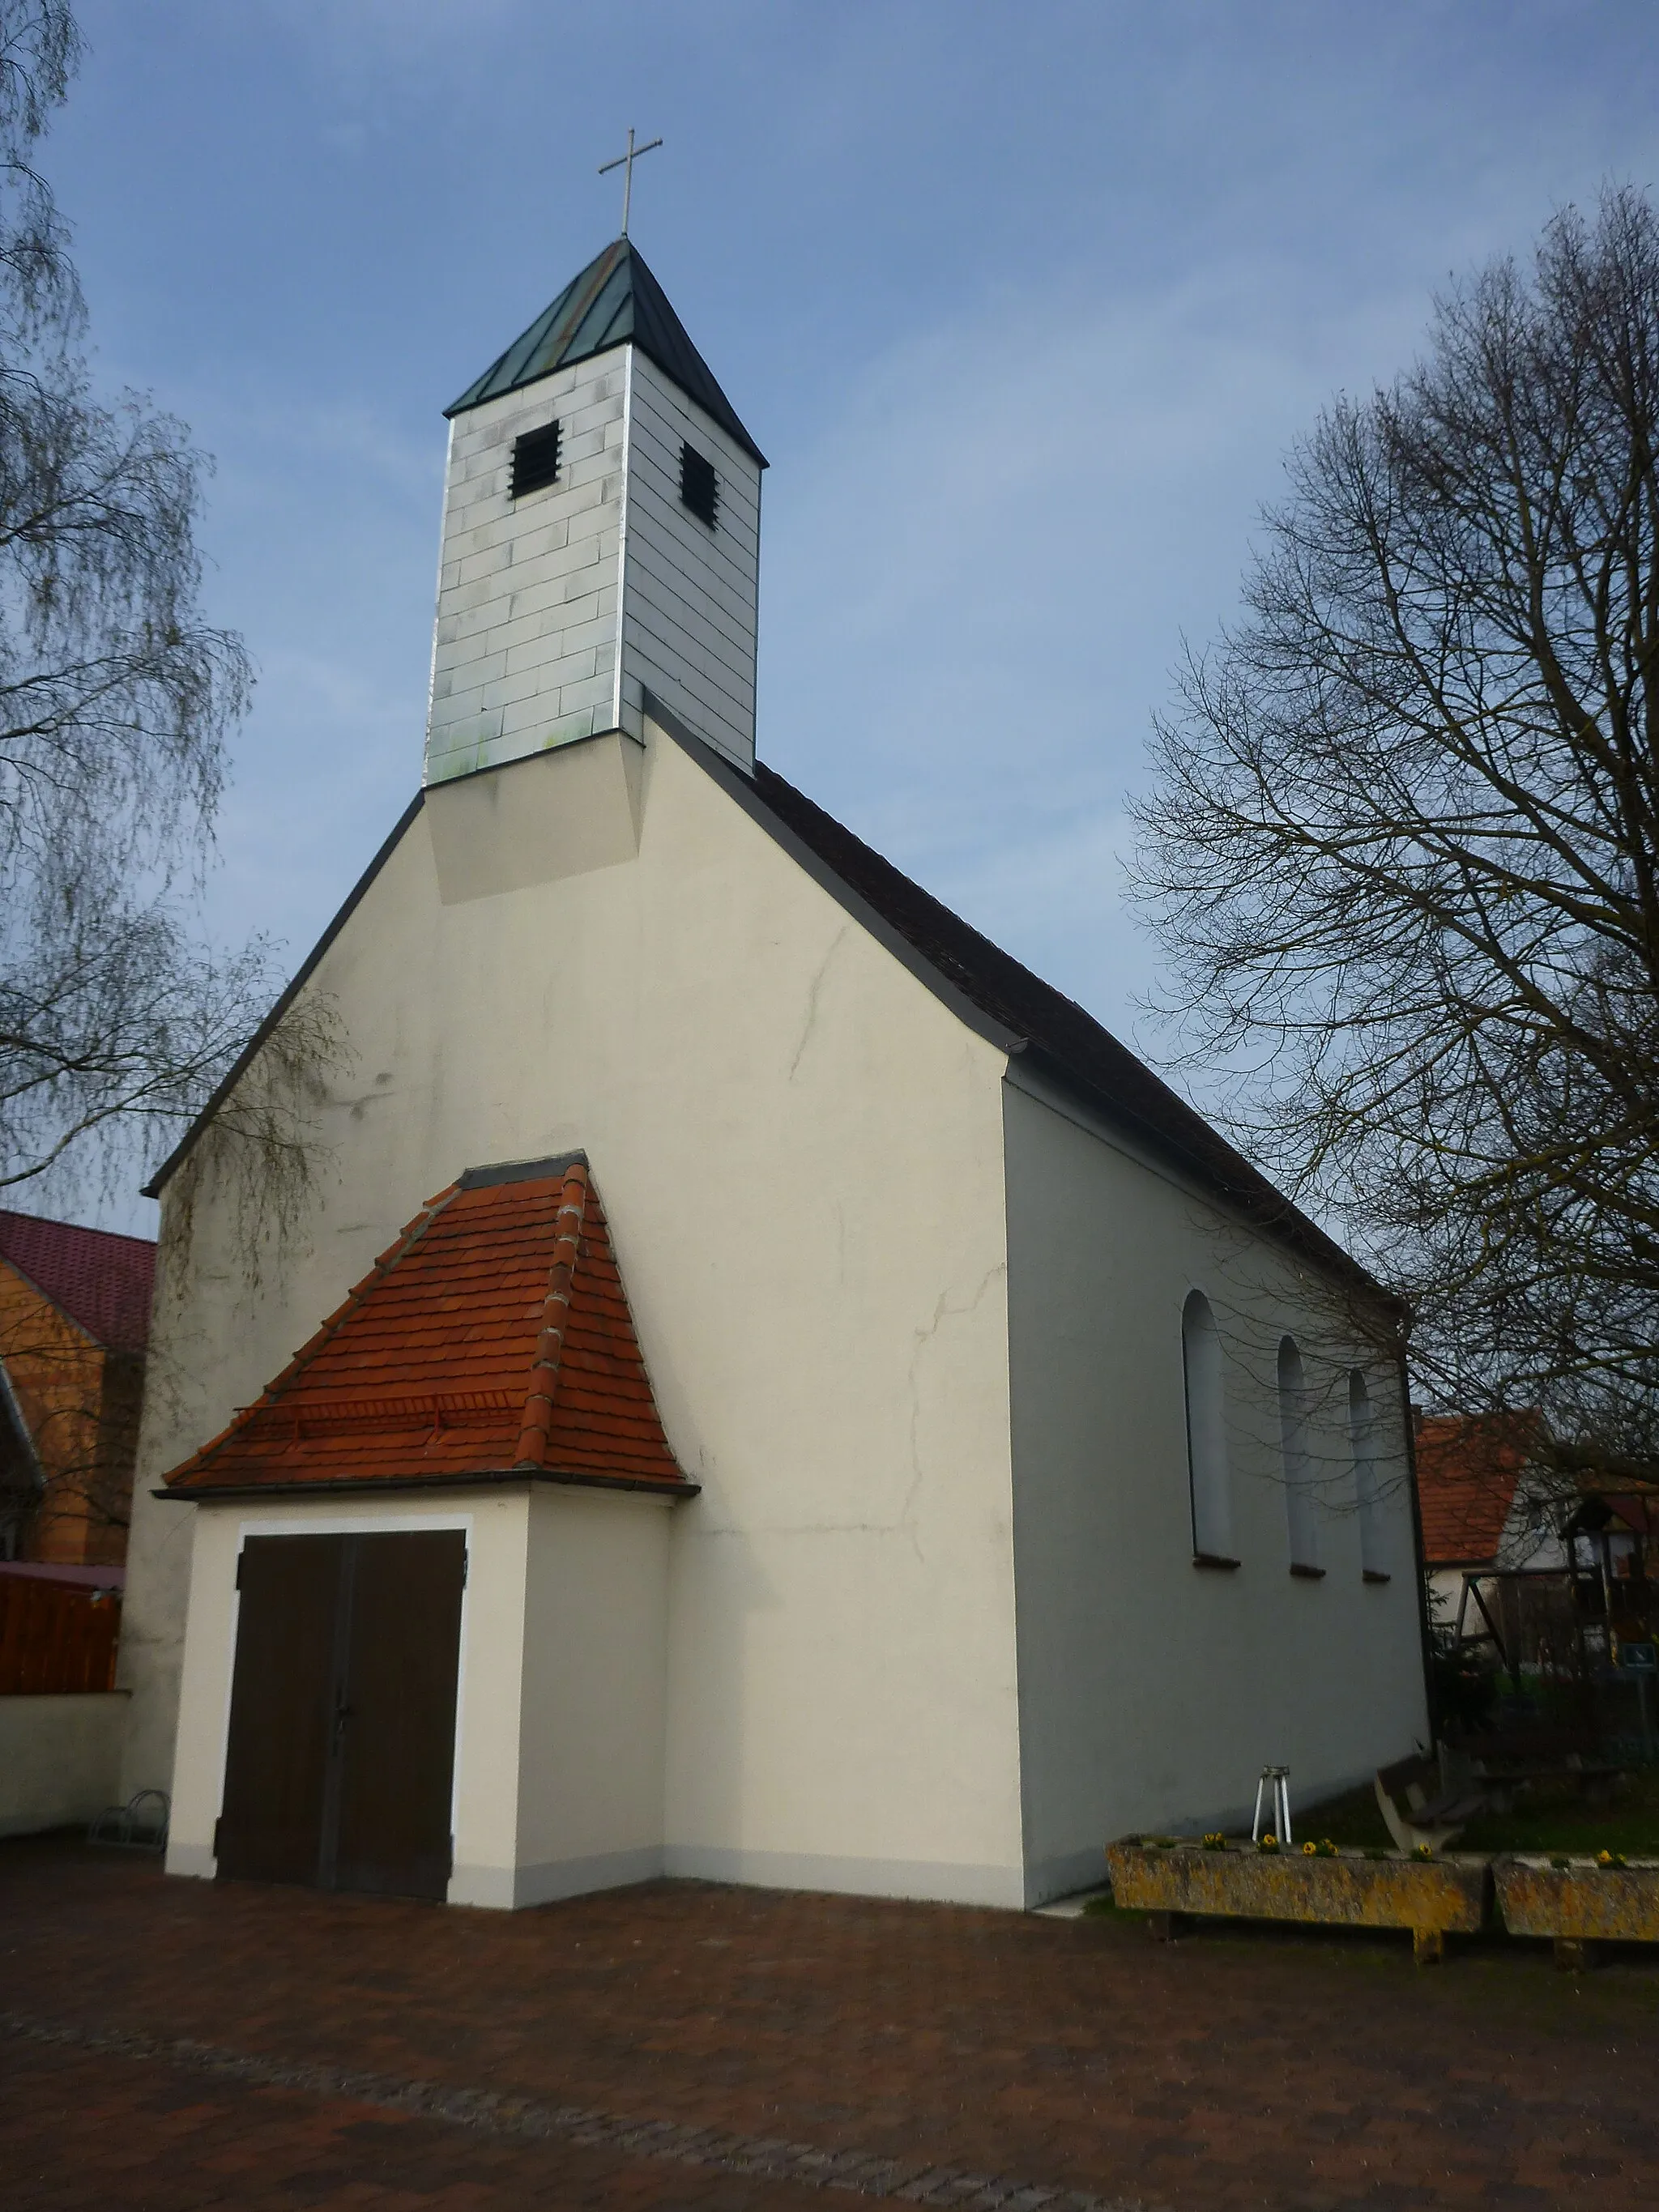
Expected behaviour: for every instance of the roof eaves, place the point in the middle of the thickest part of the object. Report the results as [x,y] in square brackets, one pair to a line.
[568,1477]
[302,975]
[1253,1199]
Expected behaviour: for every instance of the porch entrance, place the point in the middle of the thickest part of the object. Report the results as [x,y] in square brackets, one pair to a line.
[340,1758]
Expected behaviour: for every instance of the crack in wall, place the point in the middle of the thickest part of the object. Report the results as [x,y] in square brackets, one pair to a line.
[903,1524]
[943,1311]
[813,991]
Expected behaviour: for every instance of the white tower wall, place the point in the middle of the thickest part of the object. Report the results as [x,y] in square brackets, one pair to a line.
[559,610]
[525,654]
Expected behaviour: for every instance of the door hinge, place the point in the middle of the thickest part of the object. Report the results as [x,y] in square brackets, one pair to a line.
[466,1565]
[218,1826]
[240,1556]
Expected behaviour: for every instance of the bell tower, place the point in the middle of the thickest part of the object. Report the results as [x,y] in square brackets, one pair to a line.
[601,537]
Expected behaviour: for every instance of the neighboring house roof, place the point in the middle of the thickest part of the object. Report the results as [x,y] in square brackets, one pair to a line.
[439,1367]
[616,298]
[1468,1466]
[102,1282]
[974,977]
[1635,1509]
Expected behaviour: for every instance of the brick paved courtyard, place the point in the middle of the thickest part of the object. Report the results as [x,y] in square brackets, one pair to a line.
[166,2045]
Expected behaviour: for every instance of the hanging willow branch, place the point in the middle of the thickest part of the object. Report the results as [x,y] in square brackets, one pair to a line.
[117,702]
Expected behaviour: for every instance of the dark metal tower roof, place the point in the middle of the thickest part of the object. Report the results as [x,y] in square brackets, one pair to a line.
[615,299]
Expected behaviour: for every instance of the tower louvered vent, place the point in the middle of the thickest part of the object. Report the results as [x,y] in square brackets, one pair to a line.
[700,487]
[535,459]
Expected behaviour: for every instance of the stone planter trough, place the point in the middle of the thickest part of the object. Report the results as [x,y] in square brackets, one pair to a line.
[1578,1905]
[1434,1898]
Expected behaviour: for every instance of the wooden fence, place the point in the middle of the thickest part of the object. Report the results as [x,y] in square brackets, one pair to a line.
[56,1637]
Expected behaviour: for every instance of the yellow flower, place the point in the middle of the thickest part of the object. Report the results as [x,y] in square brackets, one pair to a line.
[1311,1851]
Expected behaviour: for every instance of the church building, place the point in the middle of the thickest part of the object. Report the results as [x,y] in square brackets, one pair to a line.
[781,1394]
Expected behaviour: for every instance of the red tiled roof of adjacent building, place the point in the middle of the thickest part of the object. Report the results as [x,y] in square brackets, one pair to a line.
[1467,1467]
[426,1372]
[101,1280]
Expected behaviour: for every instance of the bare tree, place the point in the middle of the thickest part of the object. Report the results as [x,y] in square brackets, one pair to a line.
[116,701]
[1403,849]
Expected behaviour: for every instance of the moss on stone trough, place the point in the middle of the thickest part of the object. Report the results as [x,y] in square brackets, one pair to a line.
[1578,1902]
[1434,1898]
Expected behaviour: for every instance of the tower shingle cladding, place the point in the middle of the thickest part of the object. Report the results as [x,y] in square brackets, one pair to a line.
[537,596]
[689,606]
[525,651]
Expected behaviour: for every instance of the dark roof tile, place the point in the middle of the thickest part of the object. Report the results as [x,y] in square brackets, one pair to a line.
[616,298]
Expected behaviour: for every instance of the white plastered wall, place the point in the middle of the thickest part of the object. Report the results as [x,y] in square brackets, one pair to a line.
[60,1758]
[800,1155]
[486,1785]
[593,1719]
[1151,1691]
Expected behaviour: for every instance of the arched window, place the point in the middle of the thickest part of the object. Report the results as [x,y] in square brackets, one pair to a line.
[1300,1510]
[1207,1435]
[1367,1490]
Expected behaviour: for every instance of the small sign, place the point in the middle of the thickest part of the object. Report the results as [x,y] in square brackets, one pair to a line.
[1640,1658]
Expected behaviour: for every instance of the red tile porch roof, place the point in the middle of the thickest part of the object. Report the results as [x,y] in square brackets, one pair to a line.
[493,1338]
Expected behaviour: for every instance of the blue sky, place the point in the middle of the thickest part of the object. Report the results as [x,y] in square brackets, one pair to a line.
[1023,303]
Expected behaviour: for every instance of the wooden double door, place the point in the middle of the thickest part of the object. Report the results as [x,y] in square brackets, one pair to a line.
[341,1761]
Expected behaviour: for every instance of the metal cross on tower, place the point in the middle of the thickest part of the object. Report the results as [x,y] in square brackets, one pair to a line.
[625,163]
